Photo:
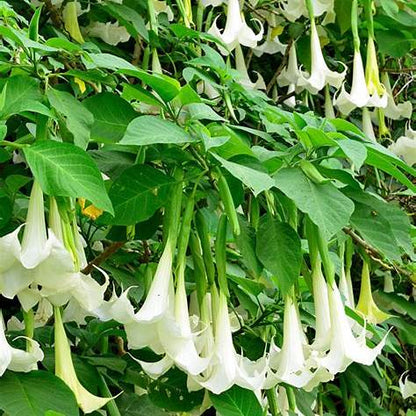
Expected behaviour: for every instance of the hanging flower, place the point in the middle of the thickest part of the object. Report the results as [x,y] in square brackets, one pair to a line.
[236,30]
[407,387]
[367,125]
[359,96]
[15,359]
[320,74]
[291,73]
[271,45]
[376,90]
[294,9]
[366,304]
[393,110]
[345,348]
[226,367]
[405,146]
[242,70]
[64,369]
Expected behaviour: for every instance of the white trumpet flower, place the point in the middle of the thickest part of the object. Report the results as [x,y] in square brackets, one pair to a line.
[376,90]
[236,30]
[15,359]
[227,367]
[367,125]
[110,33]
[407,387]
[291,73]
[244,77]
[323,319]
[271,45]
[294,9]
[393,110]
[405,147]
[64,369]
[290,362]
[359,96]
[345,348]
[320,74]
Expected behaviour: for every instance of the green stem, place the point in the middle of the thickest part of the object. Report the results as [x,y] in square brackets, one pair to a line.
[272,401]
[105,392]
[368,8]
[309,7]
[354,24]
[29,320]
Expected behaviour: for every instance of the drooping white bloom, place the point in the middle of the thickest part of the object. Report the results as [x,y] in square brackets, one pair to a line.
[15,359]
[367,125]
[320,74]
[407,387]
[323,319]
[293,9]
[64,369]
[242,69]
[271,45]
[405,146]
[111,33]
[376,90]
[226,367]
[213,3]
[291,73]
[289,362]
[236,30]
[345,347]
[359,96]
[393,110]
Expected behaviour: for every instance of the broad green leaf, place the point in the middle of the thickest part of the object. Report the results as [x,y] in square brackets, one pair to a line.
[77,117]
[278,247]
[256,180]
[326,206]
[21,93]
[111,114]
[383,225]
[170,392]
[392,9]
[137,193]
[131,404]
[395,43]
[138,93]
[6,208]
[343,14]
[236,402]
[66,170]
[147,130]
[20,37]
[246,242]
[166,87]
[107,61]
[29,394]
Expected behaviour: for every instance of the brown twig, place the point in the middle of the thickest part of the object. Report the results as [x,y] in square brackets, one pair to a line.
[399,71]
[109,251]
[54,14]
[281,66]
[374,254]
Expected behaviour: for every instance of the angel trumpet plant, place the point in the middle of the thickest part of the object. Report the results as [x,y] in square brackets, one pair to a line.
[64,369]
[320,75]
[15,359]
[394,111]
[366,304]
[242,69]
[236,30]
[405,146]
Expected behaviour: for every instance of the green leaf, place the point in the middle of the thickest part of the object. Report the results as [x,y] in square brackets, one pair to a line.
[21,93]
[278,247]
[6,208]
[256,180]
[246,242]
[326,206]
[137,193]
[170,392]
[343,14]
[236,402]
[111,114]
[383,225]
[130,404]
[29,394]
[395,43]
[392,9]
[166,87]
[66,170]
[147,130]
[78,119]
